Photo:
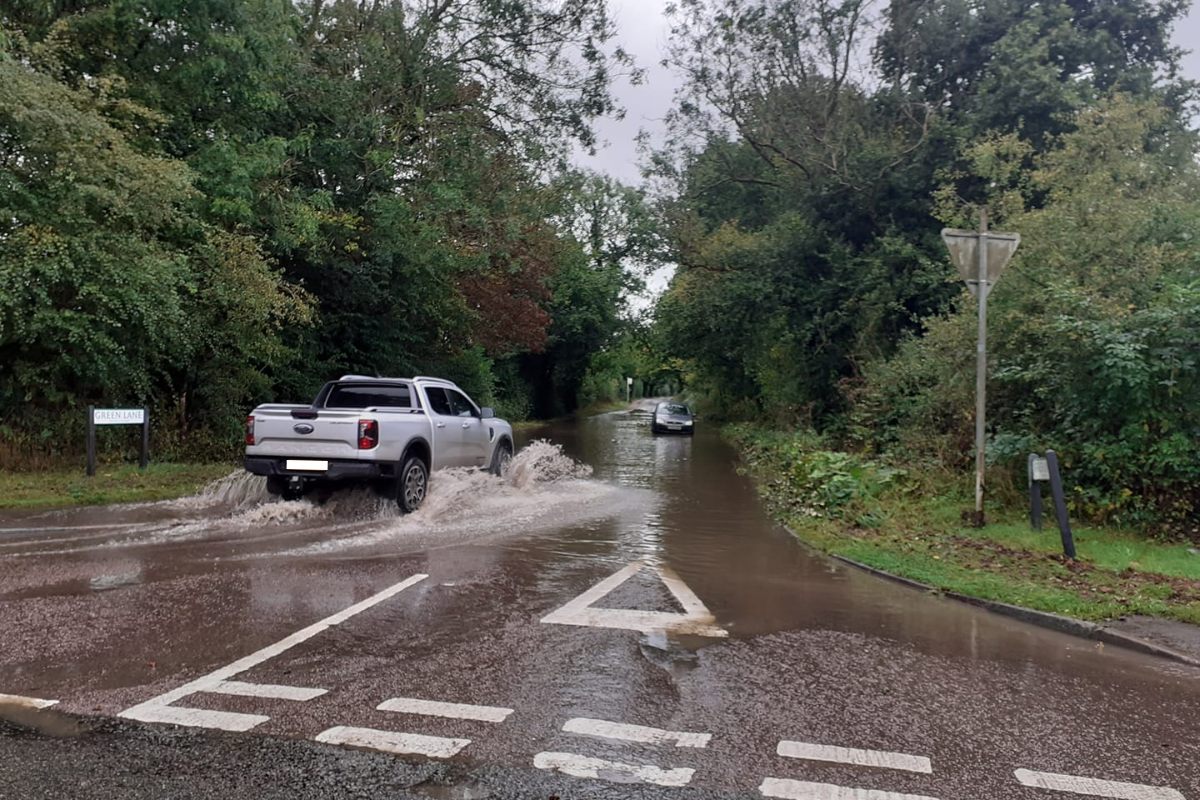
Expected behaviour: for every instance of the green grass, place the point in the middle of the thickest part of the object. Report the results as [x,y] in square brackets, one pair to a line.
[123,483]
[916,530]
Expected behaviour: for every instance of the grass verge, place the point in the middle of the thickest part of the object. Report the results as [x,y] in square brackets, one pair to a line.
[123,483]
[912,525]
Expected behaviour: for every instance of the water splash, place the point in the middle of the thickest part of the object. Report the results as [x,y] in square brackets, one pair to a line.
[542,487]
[238,489]
[541,461]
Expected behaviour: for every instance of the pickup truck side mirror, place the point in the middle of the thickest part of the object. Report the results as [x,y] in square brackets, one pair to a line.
[487,412]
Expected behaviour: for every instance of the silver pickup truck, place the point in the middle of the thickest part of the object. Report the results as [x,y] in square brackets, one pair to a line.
[386,432]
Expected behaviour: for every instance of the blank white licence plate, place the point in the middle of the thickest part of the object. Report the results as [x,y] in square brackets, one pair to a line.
[315,466]
[674,427]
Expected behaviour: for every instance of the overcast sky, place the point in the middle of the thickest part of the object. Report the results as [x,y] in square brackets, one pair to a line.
[643,32]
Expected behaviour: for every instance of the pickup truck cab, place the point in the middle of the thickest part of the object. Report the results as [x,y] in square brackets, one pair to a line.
[390,433]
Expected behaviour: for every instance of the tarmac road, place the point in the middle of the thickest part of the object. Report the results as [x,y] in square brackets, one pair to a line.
[643,631]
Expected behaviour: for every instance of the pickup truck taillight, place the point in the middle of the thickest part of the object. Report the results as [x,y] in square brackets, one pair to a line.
[249,430]
[368,434]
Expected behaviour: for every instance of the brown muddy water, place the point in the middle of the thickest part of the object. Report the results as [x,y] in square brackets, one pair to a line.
[103,609]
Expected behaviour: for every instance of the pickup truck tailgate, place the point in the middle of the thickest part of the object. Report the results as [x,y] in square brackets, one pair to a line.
[311,433]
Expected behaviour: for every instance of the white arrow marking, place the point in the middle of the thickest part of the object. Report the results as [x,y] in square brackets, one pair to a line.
[696,619]
[154,709]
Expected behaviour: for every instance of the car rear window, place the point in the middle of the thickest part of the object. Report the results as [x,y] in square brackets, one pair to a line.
[349,396]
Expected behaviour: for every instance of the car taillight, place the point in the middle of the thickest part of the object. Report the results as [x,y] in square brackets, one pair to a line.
[368,434]
[249,430]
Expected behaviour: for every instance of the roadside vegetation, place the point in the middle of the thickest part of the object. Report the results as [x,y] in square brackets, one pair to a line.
[211,205]
[112,483]
[913,524]
[803,194]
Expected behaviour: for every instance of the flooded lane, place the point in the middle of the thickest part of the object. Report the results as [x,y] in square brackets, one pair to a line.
[654,592]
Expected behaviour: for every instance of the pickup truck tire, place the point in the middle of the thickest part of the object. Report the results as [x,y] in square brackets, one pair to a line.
[412,484]
[501,459]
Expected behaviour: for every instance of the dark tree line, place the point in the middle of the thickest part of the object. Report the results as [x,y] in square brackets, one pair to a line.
[208,205]
[817,148]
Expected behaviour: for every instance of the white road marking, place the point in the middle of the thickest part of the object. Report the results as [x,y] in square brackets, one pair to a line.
[1095,787]
[433,708]
[635,733]
[392,742]
[200,718]
[275,691]
[27,702]
[696,619]
[801,790]
[583,767]
[849,755]
[154,709]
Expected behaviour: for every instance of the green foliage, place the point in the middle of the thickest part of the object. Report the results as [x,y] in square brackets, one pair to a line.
[1092,332]
[805,480]
[207,206]
[813,289]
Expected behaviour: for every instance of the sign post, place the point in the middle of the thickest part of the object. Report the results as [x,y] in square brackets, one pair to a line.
[980,257]
[629,390]
[117,416]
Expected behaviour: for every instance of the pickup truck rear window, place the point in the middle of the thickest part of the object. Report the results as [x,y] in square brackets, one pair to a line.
[347,396]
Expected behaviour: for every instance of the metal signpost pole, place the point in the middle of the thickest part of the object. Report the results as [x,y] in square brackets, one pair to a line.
[145,437]
[981,367]
[980,256]
[91,442]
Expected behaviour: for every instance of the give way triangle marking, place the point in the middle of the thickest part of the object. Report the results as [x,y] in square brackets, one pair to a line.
[696,619]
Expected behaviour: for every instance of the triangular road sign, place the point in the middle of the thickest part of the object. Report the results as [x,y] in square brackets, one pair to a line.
[696,619]
[964,252]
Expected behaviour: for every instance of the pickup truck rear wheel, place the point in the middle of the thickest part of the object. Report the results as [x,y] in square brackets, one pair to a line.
[413,484]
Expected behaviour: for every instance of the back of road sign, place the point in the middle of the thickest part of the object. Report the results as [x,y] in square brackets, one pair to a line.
[964,251]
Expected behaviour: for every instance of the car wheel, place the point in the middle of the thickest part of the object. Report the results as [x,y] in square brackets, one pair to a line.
[501,459]
[413,484]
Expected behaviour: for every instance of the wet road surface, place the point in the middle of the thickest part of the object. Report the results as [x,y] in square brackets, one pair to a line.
[644,630]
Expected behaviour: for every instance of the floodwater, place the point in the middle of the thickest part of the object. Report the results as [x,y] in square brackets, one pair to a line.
[103,609]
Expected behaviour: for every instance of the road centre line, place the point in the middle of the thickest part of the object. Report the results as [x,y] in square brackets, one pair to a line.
[634,733]
[393,742]
[696,619]
[1094,786]
[26,702]
[434,708]
[850,755]
[155,709]
[578,766]
[271,690]
[802,790]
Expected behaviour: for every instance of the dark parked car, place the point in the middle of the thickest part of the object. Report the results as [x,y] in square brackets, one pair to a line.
[673,418]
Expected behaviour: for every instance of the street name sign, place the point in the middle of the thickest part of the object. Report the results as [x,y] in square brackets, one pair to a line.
[118,416]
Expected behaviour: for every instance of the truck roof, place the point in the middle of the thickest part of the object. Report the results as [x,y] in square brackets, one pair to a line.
[421,378]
